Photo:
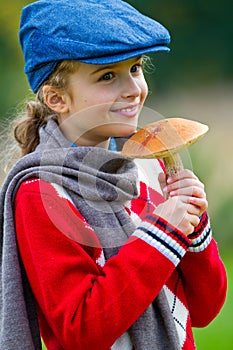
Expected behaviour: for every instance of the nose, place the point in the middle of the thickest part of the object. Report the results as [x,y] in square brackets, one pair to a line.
[130,88]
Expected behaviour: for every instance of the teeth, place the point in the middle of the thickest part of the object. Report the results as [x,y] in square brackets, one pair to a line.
[126,110]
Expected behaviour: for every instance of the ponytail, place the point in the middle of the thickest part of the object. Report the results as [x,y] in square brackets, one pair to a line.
[26,129]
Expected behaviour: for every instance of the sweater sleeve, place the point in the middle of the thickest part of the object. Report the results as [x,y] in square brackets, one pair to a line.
[204,275]
[82,303]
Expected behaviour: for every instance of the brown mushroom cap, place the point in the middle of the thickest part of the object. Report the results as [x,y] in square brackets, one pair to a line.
[163,138]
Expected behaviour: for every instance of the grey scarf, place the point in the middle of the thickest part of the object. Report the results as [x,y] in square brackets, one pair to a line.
[99,182]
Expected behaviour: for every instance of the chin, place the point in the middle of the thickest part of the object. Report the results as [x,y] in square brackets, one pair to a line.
[124,131]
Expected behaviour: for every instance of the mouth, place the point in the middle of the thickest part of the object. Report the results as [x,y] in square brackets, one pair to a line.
[128,111]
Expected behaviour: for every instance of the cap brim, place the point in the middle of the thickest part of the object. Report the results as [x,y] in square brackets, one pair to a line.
[122,56]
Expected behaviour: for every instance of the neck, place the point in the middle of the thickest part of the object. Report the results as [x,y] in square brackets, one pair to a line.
[92,143]
[85,139]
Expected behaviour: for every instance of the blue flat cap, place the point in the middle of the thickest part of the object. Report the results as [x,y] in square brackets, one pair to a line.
[89,31]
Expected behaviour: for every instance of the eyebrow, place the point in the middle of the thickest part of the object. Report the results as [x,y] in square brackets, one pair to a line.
[103,68]
[112,66]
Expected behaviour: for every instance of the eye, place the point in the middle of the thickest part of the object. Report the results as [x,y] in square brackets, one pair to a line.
[107,76]
[136,68]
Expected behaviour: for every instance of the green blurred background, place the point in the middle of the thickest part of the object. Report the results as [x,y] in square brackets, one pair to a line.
[195,80]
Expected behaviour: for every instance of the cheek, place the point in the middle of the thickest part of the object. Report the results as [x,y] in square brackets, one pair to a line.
[144,89]
[96,99]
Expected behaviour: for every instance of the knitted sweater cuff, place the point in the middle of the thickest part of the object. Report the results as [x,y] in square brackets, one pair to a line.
[202,235]
[158,233]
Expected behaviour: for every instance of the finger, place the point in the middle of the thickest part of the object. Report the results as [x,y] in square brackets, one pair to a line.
[183,174]
[193,210]
[162,180]
[189,224]
[194,220]
[181,204]
[192,191]
[192,207]
[200,203]
[185,182]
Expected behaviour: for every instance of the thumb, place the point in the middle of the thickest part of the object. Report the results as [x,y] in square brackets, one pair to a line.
[162,181]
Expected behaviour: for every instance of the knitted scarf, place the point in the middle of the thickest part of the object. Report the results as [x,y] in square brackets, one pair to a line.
[99,182]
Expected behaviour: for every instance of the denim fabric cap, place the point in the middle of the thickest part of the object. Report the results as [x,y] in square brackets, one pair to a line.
[89,31]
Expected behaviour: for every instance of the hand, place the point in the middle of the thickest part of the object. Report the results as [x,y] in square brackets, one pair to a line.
[179,213]
[186,203]
[186,183]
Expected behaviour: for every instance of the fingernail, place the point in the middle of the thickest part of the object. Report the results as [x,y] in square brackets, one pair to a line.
[165,189]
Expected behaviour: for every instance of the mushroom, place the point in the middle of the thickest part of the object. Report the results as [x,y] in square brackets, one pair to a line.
[164,139]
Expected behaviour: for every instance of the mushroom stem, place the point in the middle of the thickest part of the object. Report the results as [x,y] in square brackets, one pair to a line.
[173,164]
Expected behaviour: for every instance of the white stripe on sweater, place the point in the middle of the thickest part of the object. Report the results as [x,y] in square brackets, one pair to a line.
[164,243]
[201,242]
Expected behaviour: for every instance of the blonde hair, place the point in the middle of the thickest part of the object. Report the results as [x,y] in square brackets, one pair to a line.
[26,126]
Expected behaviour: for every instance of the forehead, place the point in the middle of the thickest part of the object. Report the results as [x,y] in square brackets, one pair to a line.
[95,68]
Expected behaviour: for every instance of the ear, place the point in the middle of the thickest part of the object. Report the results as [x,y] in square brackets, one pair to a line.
[55,99]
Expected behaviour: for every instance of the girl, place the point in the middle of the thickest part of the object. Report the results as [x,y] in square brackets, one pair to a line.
[92,257]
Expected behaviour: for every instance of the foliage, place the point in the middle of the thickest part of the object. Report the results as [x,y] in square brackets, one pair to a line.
[13,83]
[223,222]
[201,32]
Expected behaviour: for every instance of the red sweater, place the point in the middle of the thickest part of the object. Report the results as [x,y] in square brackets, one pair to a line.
[84,303]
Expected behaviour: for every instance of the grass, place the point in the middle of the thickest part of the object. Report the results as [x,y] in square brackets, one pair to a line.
[218,335]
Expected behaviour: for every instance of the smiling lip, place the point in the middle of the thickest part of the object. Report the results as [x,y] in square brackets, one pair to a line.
[129,111]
